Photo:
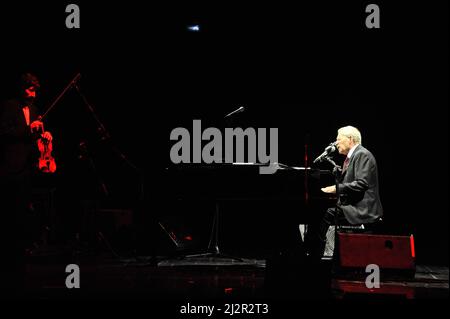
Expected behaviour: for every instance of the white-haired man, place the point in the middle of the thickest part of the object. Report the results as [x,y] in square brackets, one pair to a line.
[359,201]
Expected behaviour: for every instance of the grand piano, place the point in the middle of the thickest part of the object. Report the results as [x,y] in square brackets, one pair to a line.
[243,181]
[254,209]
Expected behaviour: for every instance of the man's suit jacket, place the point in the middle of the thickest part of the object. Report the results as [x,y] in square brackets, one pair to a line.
[18,147]
[359,195]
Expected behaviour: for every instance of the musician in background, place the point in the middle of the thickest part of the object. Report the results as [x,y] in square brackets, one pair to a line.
[19,131]
[359,201]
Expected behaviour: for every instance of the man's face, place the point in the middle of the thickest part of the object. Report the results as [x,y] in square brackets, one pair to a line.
[30,93]
[344,144]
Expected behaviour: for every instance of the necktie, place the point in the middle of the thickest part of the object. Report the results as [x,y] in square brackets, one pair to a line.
[347,160]
[26,113]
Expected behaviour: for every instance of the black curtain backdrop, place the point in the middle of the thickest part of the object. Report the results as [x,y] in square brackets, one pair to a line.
[307,69]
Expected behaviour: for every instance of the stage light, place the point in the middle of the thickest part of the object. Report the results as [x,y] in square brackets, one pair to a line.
[194,28]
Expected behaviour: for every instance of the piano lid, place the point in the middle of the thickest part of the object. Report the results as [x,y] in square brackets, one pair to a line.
[244,181]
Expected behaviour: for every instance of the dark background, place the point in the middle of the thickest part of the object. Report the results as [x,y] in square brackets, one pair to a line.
[307,69]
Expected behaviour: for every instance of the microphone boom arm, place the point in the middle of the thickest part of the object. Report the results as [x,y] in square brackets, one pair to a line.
[240,109]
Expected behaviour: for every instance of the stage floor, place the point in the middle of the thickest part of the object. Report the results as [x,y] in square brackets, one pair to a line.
[206,277]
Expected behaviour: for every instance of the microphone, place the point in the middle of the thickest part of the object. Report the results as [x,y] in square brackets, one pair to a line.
[239,110]
[328,150]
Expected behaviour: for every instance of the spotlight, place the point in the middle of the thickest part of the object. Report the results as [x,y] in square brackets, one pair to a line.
[194,28]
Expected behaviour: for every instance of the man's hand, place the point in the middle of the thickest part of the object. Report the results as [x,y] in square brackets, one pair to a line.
[37,126]
[47,135]
[329,189]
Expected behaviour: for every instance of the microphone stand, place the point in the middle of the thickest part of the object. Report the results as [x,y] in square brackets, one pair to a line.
[229,118]
[84,155]
[105,136]
[337,172]
[238,110]
[213,250]
[71,84]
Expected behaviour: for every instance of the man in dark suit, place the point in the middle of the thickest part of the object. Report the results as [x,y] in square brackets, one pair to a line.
[19,131]
[359,201]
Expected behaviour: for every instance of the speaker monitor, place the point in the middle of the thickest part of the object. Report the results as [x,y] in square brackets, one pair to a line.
[394,255]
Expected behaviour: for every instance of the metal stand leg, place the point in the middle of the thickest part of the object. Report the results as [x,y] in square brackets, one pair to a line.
[213,250]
